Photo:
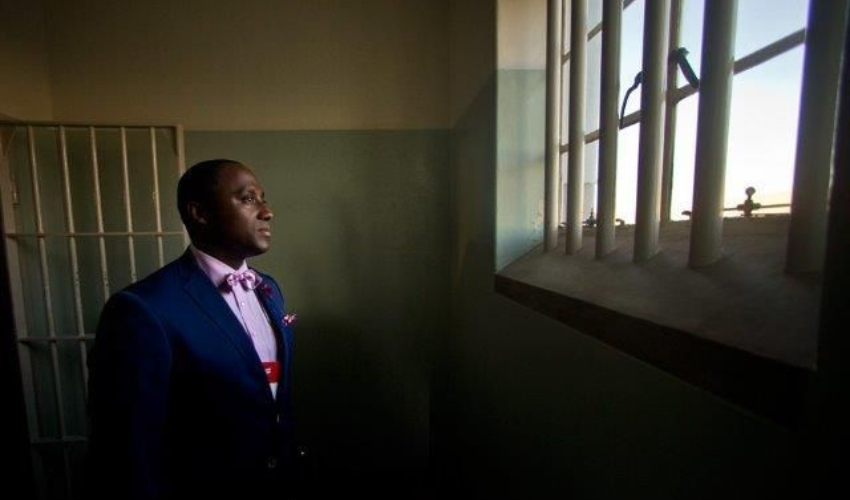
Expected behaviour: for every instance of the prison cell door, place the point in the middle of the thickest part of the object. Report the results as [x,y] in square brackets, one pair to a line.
[82,218]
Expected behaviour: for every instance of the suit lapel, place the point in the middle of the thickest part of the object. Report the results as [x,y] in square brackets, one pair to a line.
[209,300]
[266,295]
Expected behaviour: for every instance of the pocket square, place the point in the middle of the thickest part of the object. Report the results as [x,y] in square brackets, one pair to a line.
[289,319]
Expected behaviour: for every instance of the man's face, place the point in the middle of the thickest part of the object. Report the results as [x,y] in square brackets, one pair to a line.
[238,218]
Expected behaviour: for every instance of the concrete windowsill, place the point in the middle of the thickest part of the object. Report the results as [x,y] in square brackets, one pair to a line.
[741,328]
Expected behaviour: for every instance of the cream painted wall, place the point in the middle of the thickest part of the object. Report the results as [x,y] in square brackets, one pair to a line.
[472,52]
[252,65]
[521,36]
[25,84]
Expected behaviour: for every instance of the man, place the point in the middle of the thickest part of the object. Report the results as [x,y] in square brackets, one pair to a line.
[190,374]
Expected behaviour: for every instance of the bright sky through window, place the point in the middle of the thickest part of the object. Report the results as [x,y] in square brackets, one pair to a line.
[764,108]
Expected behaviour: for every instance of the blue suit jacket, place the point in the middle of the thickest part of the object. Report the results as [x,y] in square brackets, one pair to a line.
[180,406]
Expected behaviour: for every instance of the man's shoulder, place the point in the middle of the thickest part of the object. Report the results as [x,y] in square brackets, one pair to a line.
[159,282]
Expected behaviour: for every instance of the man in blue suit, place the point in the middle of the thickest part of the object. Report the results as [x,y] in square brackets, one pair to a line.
[190,373]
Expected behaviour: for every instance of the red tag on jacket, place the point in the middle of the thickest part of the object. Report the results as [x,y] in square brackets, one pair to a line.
[272,369]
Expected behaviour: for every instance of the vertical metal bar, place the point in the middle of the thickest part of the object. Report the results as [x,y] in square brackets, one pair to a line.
[578,81]
[552,177]
[829,437]
[75,280]
[13,262]
[716,77]
[612,21]
[181,166]
[566,8]
[72,251]
[39,223]
[157,211]
[127,201]
[670,115]
[95,165]
[651,128]
[564,97]
[815,135]
[45,275]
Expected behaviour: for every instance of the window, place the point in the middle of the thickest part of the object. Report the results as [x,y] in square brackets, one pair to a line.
[764,110]
[707,278]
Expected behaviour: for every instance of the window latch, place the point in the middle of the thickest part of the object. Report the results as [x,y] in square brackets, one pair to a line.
[680,57]
[637,82]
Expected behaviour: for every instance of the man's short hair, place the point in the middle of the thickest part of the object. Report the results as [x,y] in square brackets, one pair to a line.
[198,184]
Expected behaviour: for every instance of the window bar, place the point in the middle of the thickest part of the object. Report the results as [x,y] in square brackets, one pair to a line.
[553,130]
[125,169]
[592,32]
[670,115]
[712,131]
[157,210]
[575,162]
[95,165]
[72,252]
[181,166]
[45,277]
[612,21]
[832,336]
[768,52]
[815,135]
[651,129]
[563,146]
[628,121]
[753,59]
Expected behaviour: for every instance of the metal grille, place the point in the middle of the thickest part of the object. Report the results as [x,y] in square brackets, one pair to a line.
[82,217]
[567,47]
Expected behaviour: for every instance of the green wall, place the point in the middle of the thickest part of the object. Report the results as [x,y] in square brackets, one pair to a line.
[520,148]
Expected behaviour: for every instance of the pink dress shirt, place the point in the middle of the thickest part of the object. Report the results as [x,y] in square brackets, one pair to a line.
[245,306]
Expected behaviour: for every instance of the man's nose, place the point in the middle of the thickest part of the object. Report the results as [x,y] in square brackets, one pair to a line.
[266,213]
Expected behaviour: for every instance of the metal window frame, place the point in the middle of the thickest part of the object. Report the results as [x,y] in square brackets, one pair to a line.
[673,96]
[745,63]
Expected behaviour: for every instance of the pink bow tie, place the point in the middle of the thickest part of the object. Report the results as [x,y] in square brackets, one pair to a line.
[247,278]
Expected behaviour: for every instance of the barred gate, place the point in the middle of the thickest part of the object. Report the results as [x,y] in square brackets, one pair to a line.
[82,218]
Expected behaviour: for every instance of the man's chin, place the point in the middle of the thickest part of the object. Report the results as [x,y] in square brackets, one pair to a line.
[261,249]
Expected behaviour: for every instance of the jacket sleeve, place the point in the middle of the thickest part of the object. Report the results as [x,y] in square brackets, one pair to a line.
[129,371]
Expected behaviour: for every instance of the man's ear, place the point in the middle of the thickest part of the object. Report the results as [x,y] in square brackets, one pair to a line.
[197,213]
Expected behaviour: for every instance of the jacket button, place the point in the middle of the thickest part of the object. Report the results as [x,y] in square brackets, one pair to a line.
[271,463]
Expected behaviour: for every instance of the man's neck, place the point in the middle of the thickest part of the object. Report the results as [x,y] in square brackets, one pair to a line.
[218,255]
